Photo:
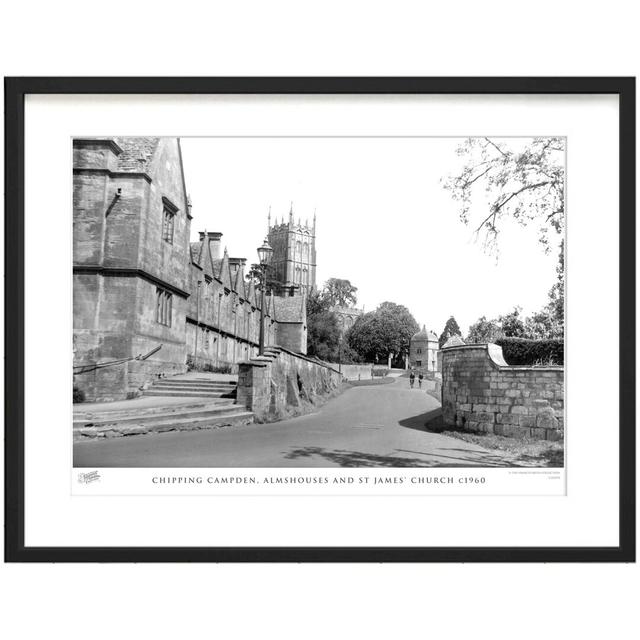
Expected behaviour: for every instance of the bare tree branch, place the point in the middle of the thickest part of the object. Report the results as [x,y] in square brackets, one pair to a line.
[493,144]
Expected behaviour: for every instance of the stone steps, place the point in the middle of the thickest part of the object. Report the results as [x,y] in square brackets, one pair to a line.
[193,388]
[184,393]
[143,416]
[213,406]
[207,415]
[234,416]
[195,382]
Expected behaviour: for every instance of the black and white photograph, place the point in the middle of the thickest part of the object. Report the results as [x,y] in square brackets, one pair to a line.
[306,327]
[321,301]
[320,320]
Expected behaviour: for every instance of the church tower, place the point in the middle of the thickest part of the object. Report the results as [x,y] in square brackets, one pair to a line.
[294,254]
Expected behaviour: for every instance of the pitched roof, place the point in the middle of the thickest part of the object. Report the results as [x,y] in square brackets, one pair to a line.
[239,284]
[423,334]
[251,293]
[224,275]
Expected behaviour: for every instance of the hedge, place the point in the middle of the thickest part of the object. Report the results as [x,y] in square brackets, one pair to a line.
[521,351]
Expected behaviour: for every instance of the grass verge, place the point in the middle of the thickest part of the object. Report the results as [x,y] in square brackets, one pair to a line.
[526,451]
[369,383]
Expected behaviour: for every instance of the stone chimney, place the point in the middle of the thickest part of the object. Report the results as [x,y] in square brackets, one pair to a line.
[215,243]
[236,263]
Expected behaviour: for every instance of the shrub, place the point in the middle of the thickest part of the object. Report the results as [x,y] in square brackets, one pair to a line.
[78,394]
[521,351]
[207,366]
[223,368]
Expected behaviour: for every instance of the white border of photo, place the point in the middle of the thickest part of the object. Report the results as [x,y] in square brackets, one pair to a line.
[586,516]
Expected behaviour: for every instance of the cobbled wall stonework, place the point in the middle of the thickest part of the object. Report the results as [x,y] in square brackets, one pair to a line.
[481,393]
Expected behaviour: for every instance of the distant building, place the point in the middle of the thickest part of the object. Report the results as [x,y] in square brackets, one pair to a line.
[294,254]
[347,317]
[423,349]
[140,288]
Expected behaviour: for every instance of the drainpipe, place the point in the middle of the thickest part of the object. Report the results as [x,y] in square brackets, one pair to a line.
[195,355]
[235,326]
[219,332]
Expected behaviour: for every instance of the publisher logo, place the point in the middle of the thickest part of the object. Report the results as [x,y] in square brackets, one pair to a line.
[88,477]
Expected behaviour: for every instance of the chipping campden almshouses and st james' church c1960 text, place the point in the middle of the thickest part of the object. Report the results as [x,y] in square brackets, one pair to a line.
[147,300]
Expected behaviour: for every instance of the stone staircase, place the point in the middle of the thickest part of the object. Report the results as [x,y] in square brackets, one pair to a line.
[193,388]
[213,407]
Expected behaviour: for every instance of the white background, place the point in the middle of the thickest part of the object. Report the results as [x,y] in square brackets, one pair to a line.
[319,601]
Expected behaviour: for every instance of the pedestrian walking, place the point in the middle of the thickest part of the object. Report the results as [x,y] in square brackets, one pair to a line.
[412,379]
[420,377]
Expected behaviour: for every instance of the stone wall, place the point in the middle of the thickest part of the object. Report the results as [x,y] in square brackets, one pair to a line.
[291,336]
[282,382]
[356,371]
[480,392]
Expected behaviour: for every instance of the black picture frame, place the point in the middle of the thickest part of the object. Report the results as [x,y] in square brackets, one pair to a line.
[15,91]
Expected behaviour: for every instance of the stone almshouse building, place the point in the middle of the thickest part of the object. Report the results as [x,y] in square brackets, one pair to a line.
[138,281]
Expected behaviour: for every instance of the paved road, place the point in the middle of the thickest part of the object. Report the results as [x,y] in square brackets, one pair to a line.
[367,426]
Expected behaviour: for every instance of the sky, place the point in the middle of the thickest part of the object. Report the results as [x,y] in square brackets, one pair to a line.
[384,221]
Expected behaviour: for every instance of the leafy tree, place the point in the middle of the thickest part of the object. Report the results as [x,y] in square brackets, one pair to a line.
[347,355]
[483,331]
[340,292]
[555,308]
[511,324]
[323,332]
[254,274]
[379,333]
[538,326]
[548,323]
[451,328]
[526,184]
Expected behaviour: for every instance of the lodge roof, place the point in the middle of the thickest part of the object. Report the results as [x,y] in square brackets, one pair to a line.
[423,334]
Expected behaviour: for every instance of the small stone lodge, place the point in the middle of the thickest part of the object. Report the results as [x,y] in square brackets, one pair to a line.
[139,283]
[423,350]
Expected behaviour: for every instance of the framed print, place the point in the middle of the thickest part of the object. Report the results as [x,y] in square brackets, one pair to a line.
[320,319]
